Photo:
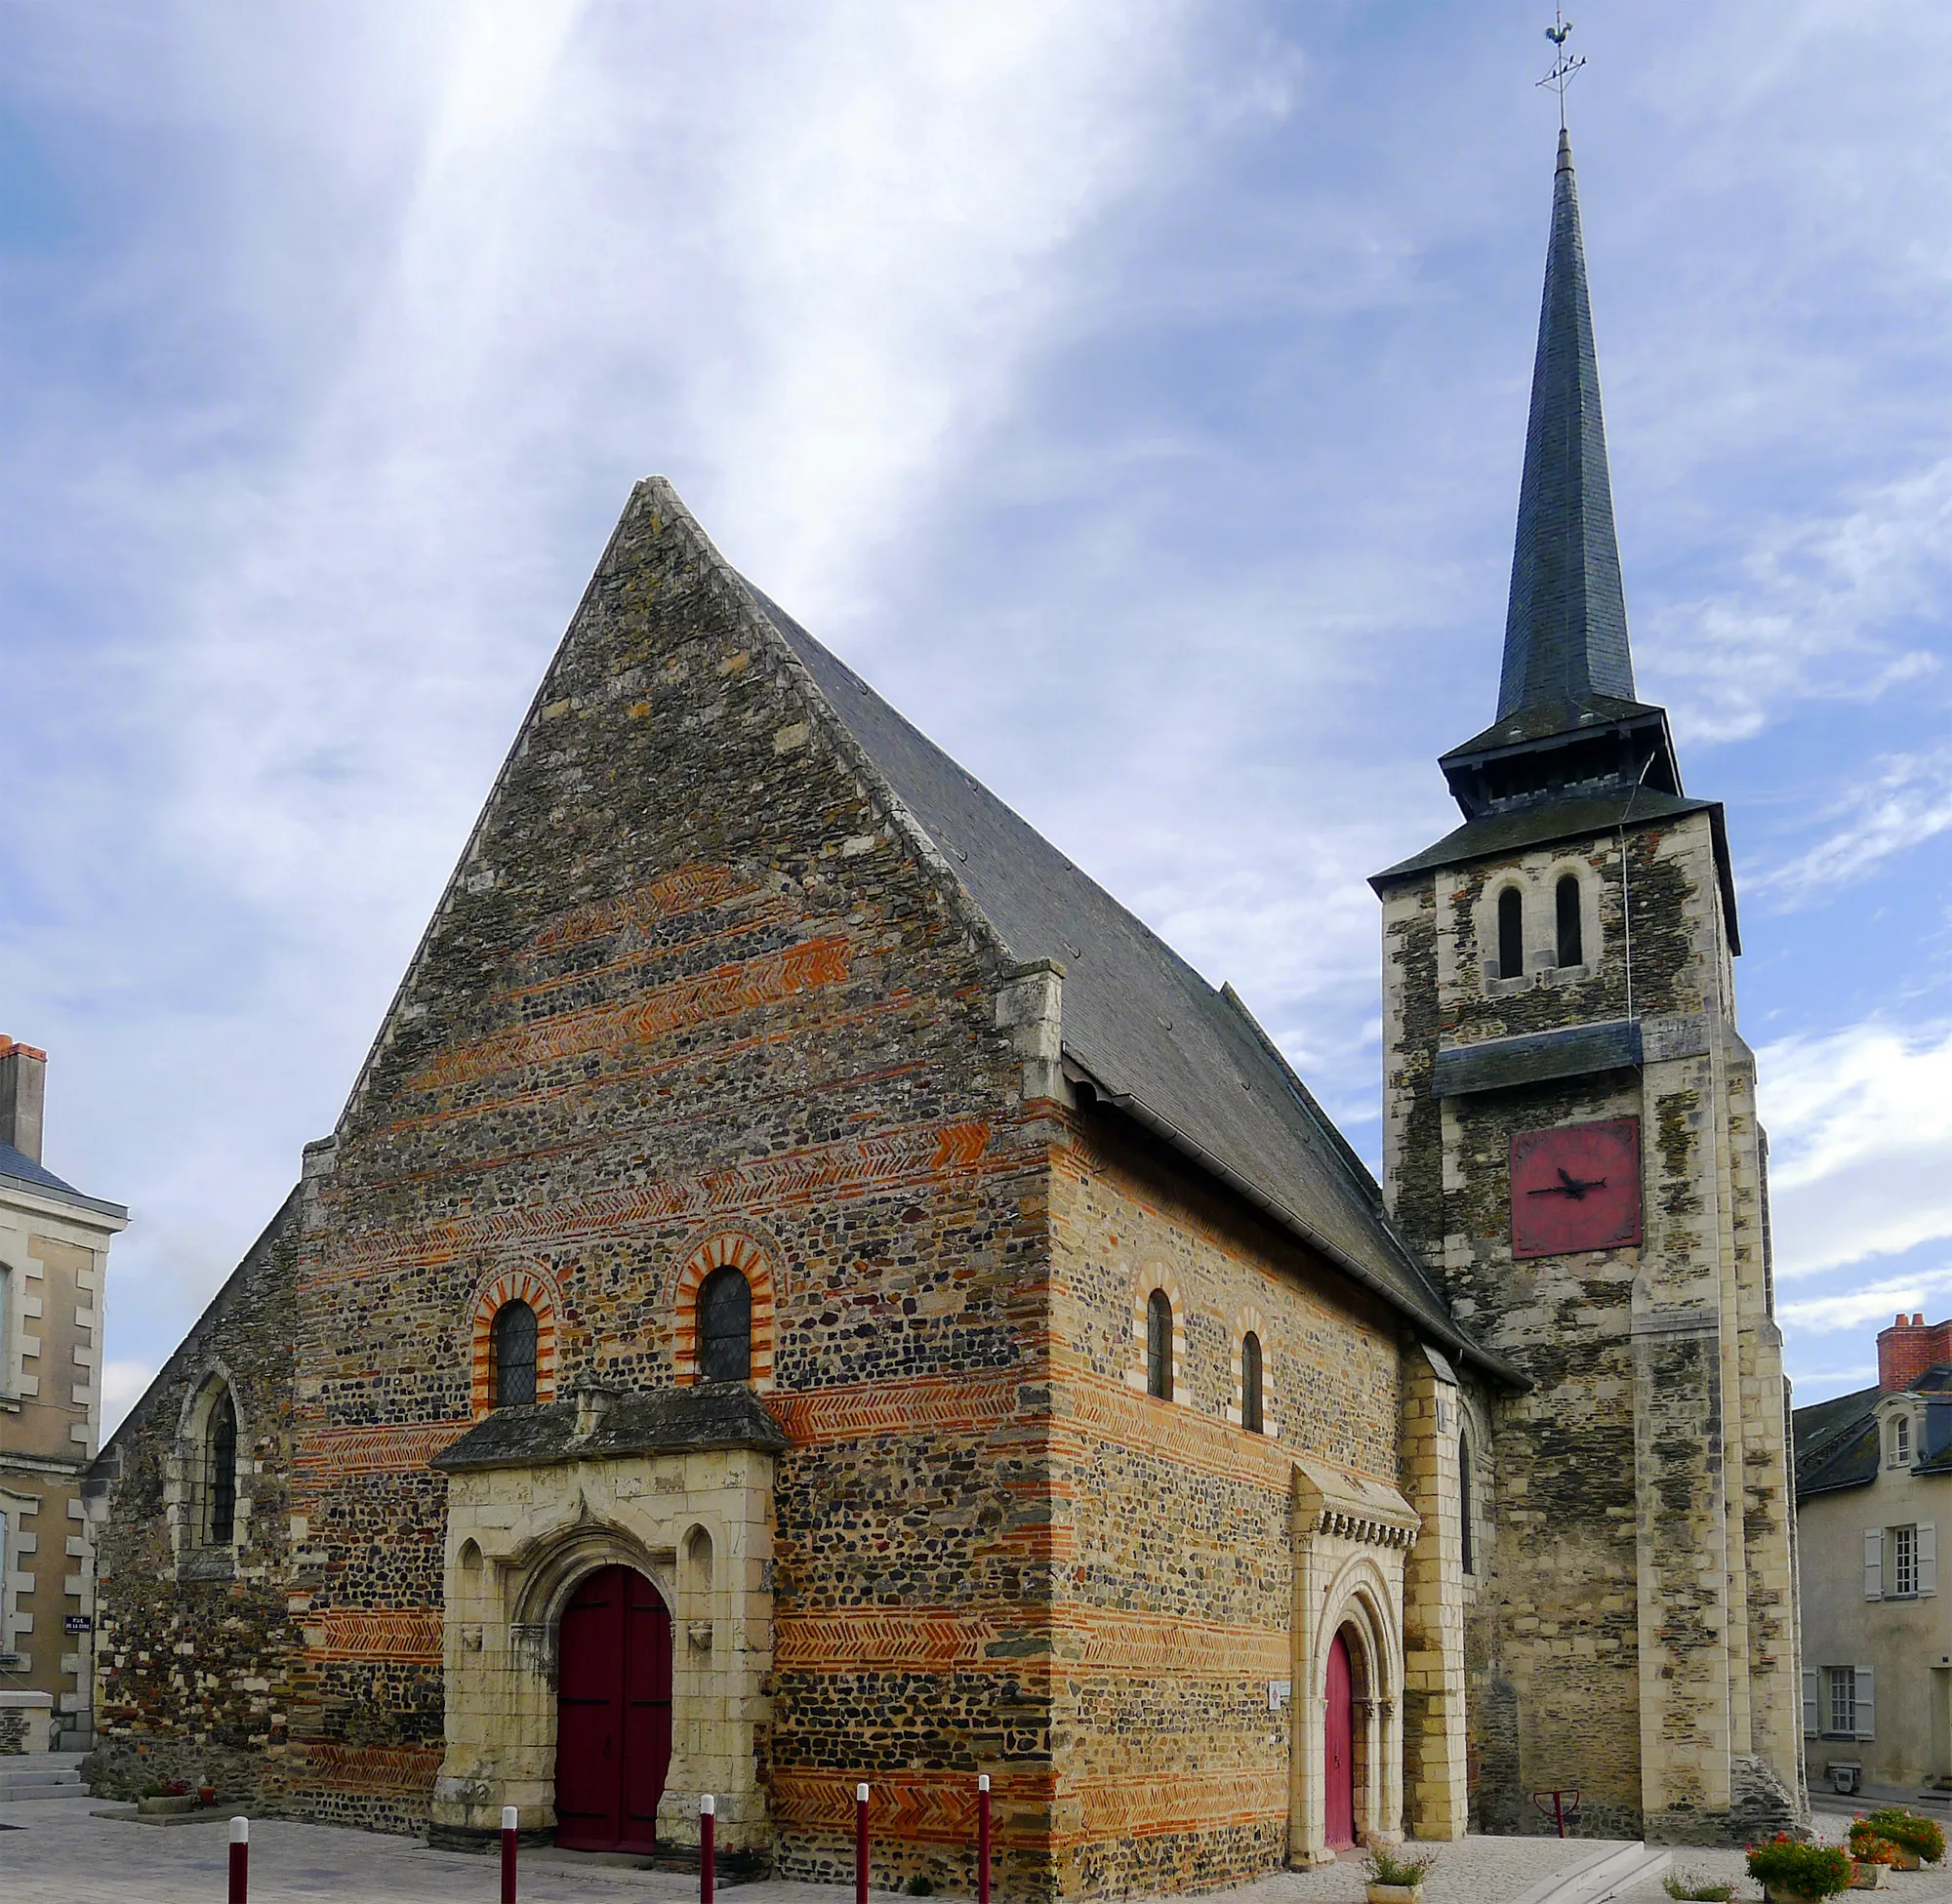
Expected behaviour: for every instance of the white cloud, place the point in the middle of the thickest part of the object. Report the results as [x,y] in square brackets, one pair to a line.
[1817,619]
[1907,801]
[1860,1128]
[1873,1302]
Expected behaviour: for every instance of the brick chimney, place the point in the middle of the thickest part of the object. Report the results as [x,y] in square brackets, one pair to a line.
[23,1083]
[1908,1348]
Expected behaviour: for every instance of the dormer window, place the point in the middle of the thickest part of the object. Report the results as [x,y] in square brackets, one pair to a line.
[1901,1442]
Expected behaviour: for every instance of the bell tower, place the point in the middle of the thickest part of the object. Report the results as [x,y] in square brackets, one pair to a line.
[1571,1141]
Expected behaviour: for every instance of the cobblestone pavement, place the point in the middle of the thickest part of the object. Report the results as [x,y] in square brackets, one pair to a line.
[62,1854]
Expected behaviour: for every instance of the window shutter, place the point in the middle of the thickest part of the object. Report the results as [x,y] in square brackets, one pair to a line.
[1874,1563]
[1811,1685]
[1928,1558]
[1867,1711]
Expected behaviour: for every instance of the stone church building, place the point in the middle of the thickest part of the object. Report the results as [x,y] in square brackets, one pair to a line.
[807,1289]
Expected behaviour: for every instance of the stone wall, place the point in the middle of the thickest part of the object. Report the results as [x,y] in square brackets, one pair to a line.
[199,1670]
[1636,1635]
[1175,1673]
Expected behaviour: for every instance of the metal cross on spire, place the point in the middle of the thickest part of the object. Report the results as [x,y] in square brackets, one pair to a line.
[1566,64]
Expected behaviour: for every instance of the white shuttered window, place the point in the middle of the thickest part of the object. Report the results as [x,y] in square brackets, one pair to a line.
[1928,1558]
[1811,1694]
[1866,1703]
[1874,1563]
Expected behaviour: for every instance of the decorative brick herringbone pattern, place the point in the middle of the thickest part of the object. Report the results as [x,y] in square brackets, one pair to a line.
[901,1157]
[400,1447]
[407,1633]
[651,1014]
[688,889]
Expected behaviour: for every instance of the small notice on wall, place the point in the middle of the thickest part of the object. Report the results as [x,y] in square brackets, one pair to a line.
[1279,1693]
[77,1623]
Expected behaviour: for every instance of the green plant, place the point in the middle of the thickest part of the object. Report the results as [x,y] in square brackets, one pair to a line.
[921,1884]
[1689,1887]
[1409,1873]
[1784,1864]
[1923,1837]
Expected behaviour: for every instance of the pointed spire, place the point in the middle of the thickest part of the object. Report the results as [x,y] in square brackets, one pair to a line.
[1565,630]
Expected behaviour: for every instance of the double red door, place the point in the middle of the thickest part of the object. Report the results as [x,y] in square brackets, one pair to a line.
[612,1741]
[1338,1810]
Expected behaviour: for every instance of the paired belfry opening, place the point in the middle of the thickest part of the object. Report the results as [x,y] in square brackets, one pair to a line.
[1570,932]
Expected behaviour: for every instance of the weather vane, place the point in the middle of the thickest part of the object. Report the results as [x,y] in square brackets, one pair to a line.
[1566,64]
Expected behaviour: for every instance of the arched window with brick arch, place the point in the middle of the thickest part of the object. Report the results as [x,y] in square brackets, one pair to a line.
[512,1356]
[1251,1407]
[723,1323]
[1158,1367]
[513,1341]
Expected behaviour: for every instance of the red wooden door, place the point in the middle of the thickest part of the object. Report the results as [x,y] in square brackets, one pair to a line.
[613,1737]
[1339,1757]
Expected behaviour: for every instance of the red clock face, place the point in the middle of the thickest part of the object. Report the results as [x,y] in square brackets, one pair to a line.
[1576,1188]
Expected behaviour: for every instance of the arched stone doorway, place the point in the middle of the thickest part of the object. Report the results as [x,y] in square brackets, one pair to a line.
[613,1713]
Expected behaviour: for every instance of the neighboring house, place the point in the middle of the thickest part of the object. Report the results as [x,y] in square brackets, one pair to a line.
[1873,1486]
[54,1257]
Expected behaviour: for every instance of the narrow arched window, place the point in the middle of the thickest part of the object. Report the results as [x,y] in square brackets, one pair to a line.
[1467,1542]
[1571,940]
[512,1352]
[1901,1441]
[1158,1345]
[1250,1383]
[725,1326]
[220,1470]
[1511,934]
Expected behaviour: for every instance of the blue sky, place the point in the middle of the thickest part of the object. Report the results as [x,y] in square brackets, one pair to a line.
[1134,391]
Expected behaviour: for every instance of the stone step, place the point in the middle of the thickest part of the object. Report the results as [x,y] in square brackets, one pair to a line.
[54,1782]
[1609,1870]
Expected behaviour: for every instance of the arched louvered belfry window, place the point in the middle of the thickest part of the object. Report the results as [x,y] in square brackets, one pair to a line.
[512,1349]
[1250,1383]
[1158,1345]
[219,1473]
[1511,934]
[725,1326]
[1571,940]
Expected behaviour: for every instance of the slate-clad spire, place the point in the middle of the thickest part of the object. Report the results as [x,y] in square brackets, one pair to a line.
[1565,631]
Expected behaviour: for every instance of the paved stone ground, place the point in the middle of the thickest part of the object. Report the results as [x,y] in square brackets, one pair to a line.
[62,1854]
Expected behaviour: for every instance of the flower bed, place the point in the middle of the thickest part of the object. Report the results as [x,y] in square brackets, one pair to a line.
[1788,1867]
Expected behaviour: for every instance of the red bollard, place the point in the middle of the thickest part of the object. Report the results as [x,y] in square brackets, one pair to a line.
[983,1838]
[509,1840]
[860,1845]
[708,1846]
[240,1861]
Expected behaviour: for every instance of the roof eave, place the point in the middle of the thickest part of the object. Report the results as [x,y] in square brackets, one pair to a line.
[1298,1226]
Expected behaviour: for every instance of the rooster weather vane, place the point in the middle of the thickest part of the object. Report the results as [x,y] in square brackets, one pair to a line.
[1566,64]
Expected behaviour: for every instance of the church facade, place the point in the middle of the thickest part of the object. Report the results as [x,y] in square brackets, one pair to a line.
[806,1290]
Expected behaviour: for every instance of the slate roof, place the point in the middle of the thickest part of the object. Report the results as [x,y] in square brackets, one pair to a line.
[1836,1440]
[1160,1042]
[23,1169]
[710,1415]
[1566,626]
[1519,827]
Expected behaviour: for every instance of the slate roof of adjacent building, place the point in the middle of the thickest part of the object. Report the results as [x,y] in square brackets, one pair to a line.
[1836,1440]
[1156,1038]
[20,1168]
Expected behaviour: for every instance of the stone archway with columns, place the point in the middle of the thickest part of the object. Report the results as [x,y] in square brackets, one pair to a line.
[677,1485]
[1351,1535]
